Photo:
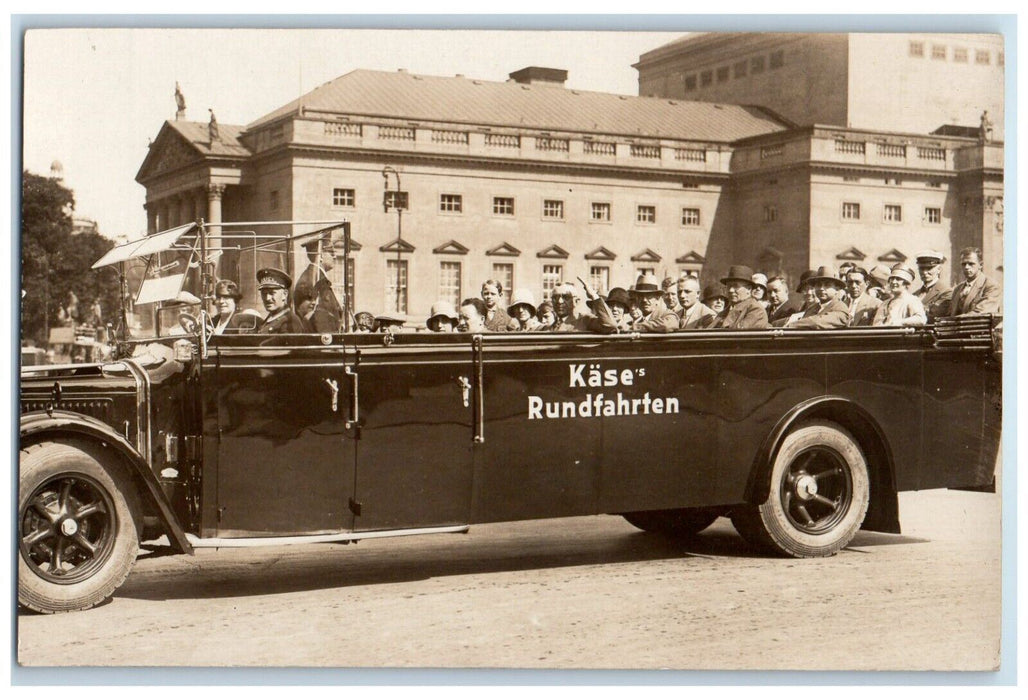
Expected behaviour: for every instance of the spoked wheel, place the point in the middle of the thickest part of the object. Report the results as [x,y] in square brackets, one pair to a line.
[77,520]
[675,522]
[818,495]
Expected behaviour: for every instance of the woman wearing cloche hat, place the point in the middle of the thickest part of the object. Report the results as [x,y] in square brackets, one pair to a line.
[902,308]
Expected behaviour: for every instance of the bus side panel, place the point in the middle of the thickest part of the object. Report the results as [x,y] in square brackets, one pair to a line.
[531,464]
[955,396]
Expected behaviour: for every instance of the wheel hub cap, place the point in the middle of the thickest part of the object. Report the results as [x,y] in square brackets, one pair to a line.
[69,527]
[806,487]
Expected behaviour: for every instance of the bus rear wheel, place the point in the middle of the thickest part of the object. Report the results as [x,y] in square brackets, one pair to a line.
[674,522]
[78,526]
[818,495]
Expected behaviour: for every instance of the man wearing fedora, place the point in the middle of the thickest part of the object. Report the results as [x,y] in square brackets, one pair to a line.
[657,317]
[902,308]
[863,305]
[746,313]
[568,320]
[694,314]
[830,312]
[273,286]
[935,294]
[976,294]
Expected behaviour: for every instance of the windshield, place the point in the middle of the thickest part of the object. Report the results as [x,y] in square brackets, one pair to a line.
[160,288]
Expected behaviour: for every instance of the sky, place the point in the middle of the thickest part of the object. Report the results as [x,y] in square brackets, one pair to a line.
[94,98]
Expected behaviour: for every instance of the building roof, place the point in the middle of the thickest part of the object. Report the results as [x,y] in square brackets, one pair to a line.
[196,134]
[461,100]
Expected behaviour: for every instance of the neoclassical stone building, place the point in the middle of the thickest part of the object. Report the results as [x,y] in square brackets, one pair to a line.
[530,183]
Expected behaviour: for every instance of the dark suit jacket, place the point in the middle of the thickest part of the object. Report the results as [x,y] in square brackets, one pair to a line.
[834,314]
[983,297]
[864,314]
[792,305]
[936,300]
[746,315]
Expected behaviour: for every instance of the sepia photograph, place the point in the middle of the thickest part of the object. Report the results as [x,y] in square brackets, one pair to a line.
[527,349]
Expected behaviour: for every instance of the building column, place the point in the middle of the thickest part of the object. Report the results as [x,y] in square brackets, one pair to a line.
[164,215]
[151,218]
[185,209]
[227,264]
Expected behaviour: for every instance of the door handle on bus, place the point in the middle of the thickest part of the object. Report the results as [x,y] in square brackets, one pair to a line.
[334,386]
[465,388]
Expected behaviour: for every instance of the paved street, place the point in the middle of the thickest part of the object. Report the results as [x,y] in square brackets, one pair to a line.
[587,592]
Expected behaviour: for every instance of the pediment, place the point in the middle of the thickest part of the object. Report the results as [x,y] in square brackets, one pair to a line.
[853,254]
[397,245]
[691,258]
[451,248]
[504,249]
[600,253]
[169,152]
[337,247]
[554,251]
[893,256]
[646,256]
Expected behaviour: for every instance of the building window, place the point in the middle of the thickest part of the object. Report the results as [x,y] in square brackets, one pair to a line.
[960,55]
[504,274]
[396,200]
[693,272]
[273,200]
[932,215]
[552,275]
[600,211]
[938,52]
[553,209]
[640,271]
[893,213]
[449,282]
[646,214]
[777,59]
[706,78]
[599,278]
[722,74]
[982,58]
[396,286]
[342,197]
[917,49]
[935,184]
[690,216]
[335,276]
[503,206]
[850,178]
[690,83]
[770,213]
[451,203]
[851,211]
[757,64]
[739,69]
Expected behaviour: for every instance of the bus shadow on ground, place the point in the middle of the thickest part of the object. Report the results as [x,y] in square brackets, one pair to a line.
[321,567]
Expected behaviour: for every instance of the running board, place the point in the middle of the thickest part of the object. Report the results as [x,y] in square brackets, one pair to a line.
[206,542]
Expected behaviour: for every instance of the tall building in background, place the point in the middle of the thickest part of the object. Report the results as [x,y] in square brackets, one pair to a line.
[891,82]
[530,182]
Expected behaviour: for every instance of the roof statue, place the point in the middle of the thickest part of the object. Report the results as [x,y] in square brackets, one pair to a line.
[180,103]
[985,130]
[212,127]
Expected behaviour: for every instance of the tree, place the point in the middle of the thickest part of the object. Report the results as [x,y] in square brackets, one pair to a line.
[55,263]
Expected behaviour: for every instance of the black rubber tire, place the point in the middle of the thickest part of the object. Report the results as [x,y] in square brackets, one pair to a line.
[82,475]
[831,453]
[675,522]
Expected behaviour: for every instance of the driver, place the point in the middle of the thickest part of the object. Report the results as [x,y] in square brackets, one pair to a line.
[273,286]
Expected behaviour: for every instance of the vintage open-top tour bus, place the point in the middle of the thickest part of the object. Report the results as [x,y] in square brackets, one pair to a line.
[800,437]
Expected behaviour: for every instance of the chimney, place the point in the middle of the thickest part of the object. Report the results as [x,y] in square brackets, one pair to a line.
[535,75]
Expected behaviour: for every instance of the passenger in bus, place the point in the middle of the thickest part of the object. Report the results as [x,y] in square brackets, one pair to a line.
[321,260]
[273,286]
[715,296]
[226,300]
[878,281]
[746,313]
[902,308]
[976,294]
[388,323]
[497,320]
[844,270]
[863,306]
[442,318]
[568,320]
[670,287]
[694,314]
[650,297]
[306,303]
[363,322]
[618,301]
[934,293]
[635,312]
[522,310]
[760,289]
[781,304]
[805,301]
[830,312]
[472,316]
[545,315]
